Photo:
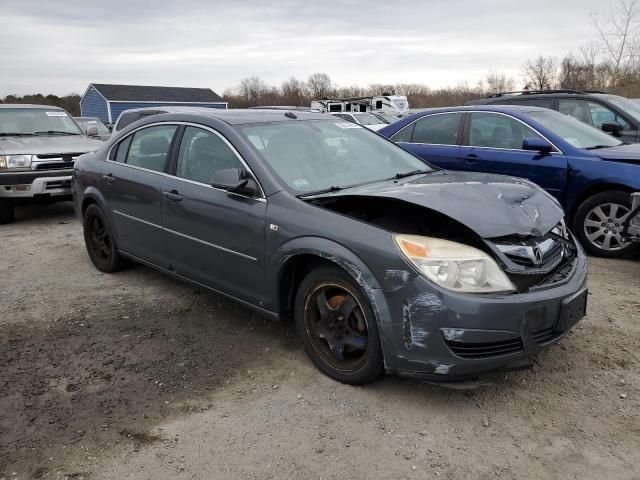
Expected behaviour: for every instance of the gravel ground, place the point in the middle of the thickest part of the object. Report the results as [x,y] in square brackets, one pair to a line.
[137,375]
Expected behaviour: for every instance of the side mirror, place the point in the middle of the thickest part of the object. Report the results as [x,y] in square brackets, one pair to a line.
[91,131]
[537,145]
[612,127]
[234,180]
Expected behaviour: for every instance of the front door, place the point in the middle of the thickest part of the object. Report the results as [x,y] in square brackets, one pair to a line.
[214,237]
[494,145]
[132,186]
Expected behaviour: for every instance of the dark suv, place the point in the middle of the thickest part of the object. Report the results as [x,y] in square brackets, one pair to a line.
[611,113]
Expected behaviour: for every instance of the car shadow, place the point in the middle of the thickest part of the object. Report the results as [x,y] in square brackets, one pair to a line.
[62,211]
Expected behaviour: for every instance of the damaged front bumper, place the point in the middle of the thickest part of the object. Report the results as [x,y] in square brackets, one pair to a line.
[441,336]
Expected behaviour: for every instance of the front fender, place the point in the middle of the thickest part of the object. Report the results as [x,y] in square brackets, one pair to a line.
[347,260]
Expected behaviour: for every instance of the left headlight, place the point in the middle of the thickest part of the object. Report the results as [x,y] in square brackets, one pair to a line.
[453,265]
[16,161]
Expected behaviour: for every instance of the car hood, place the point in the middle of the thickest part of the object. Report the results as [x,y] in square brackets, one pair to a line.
[48,144]
[490,205]
[621,153]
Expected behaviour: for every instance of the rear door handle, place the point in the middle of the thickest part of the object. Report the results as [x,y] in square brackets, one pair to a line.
[173,195]
[109,178]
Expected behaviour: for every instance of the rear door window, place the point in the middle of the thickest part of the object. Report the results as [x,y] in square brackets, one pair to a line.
[437,129]
[150,147]
[491,130]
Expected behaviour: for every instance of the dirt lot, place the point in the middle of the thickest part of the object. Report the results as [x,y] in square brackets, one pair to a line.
[136,375]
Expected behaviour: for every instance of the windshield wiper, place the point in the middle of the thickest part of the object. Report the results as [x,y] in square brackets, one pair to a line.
[55,132]
[398,176]
[332,188]
[12,134]
[597,147]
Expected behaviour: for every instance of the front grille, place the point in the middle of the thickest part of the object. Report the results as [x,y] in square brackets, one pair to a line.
[54,161]
[536,253]
[536,261]
[485,350]
[52,166]
[57,156]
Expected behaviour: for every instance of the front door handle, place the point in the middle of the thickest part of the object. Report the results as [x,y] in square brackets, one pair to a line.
[109,178]
[173,195]
[471,158]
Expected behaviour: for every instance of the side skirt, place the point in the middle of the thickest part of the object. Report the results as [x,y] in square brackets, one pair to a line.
[267,313]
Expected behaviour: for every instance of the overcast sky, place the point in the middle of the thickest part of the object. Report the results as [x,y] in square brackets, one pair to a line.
[59,47]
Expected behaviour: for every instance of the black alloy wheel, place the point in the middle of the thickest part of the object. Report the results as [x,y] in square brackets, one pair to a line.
[99,241]
[337,326]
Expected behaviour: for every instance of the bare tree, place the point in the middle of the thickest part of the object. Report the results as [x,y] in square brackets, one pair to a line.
[293,92]
[252,89]
[540,73]
[618,37]
[319,86]
[497,82]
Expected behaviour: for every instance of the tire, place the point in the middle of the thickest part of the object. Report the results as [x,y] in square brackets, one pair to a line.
[99,240]
[600,213]
[7,212]
[342,340]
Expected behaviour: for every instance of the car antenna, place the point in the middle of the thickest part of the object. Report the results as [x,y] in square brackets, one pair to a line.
[290,115]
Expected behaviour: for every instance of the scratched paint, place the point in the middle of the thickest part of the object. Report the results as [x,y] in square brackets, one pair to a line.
[428,302]
[396,279]
[453,334]
[442,369]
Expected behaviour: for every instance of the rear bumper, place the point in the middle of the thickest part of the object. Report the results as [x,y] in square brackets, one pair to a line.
[441,336]
[35,184]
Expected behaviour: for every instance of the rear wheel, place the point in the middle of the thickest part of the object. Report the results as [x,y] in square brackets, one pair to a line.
[98,238]
[598,224]
[337,326]
[7,211]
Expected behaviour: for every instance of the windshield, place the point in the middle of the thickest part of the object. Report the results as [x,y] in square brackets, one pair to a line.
[626,106]
[85,122]
[367,119]
[573,131]
[36,121]
[318,155]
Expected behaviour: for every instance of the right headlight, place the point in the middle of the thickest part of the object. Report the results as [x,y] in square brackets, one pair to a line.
[453,265]
[16,162]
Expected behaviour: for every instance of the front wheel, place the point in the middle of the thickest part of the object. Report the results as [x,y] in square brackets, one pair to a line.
[598,224]
[337,326]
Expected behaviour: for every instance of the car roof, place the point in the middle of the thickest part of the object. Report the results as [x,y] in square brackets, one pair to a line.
[246,116]
[28,105]
[489,107]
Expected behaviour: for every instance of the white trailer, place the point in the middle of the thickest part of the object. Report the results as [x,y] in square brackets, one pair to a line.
[395,105]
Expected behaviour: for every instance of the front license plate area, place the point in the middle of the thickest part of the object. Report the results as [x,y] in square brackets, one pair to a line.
[572,310]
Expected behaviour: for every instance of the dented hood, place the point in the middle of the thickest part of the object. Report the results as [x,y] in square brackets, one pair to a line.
[490,205]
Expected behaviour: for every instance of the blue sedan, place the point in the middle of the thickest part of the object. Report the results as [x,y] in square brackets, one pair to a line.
[588,171]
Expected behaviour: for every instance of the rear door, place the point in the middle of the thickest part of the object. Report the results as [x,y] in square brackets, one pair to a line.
[132,186]
[214,237]
[435,138]
[493,144]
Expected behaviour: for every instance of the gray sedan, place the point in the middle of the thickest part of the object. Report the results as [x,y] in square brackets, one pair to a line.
[384,262]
